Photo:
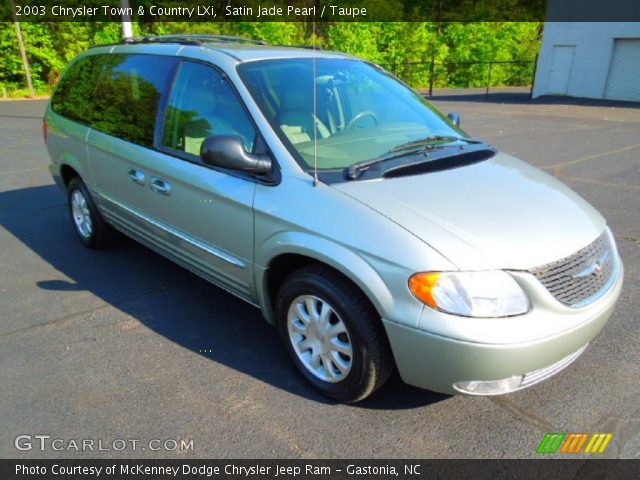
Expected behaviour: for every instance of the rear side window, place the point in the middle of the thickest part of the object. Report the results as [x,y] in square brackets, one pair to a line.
[74,94]
[128,94]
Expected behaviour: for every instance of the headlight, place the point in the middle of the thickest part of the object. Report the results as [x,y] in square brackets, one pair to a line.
[471,294]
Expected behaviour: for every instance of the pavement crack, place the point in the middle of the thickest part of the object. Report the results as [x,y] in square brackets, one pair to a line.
[74,315]
[557,169]
[522,415]
[603,184]
[629,239]
[625,427]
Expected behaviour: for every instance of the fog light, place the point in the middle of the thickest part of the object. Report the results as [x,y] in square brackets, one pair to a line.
[489,387]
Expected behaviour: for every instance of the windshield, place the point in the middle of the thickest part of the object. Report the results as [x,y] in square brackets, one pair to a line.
[361,114]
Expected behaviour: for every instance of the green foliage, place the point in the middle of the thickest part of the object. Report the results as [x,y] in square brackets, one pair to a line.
[404,48]
[491,42]
[460,52]
[408,49]
[50,47]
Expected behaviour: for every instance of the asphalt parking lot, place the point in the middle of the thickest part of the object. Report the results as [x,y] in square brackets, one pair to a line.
[123,344]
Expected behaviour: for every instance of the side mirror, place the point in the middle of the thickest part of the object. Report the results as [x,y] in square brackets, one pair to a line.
[227,151]
[455,118]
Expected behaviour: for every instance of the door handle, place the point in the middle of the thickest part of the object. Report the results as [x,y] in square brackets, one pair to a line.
[136,176]
[160,186]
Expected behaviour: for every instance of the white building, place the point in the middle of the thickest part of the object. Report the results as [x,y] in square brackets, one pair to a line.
[589,59]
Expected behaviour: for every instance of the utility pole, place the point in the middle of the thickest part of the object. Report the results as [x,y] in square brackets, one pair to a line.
[127,29]
[23,52]
[433,49]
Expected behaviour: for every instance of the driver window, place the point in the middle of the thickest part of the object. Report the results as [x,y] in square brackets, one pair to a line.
[202,103]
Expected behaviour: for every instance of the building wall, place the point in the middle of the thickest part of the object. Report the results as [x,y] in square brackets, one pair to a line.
[576,60]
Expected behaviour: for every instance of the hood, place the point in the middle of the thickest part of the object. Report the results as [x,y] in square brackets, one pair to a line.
[501,213]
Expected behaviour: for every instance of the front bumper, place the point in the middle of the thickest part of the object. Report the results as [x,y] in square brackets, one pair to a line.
[436,363]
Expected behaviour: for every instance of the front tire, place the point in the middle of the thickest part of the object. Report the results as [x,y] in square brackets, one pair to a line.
[333,334]
[88,224]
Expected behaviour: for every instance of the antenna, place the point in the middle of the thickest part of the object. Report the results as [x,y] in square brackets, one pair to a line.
[315,108]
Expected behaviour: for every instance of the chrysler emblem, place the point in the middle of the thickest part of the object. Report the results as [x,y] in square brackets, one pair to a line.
[594,268]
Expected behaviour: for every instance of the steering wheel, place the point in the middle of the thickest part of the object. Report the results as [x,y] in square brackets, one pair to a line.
[359,116]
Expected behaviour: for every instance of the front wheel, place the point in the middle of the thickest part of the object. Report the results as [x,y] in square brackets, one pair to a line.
[333,334]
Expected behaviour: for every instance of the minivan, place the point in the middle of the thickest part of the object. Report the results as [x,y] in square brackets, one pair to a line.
[364,224]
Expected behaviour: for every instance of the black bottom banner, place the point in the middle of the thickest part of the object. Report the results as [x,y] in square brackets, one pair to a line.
[319,469]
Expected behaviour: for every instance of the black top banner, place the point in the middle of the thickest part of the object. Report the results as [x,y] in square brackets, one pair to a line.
[320,469]
[320,10]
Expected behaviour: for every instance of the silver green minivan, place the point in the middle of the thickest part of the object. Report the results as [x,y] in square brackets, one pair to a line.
[365,225]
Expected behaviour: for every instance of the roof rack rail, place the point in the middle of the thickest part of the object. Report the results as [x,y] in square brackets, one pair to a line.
[192,39]
[160,39]
[309,47]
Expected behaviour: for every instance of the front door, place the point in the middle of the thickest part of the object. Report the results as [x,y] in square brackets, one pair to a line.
[207,214]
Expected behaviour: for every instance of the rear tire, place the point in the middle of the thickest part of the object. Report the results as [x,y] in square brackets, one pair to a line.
[333,334]
[93,231]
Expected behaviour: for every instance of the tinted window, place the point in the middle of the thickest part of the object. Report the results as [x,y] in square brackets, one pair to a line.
[128,93]
[74,93]
[202,104]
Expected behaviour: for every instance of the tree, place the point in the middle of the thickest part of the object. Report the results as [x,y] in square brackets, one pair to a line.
[404,48]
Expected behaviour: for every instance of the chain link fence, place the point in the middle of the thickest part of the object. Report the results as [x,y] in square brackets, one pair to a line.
[485,74]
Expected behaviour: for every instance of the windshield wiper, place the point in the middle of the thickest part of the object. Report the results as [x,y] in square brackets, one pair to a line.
[428,142]
[406,149]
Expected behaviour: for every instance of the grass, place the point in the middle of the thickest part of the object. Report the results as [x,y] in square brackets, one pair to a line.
[17,93]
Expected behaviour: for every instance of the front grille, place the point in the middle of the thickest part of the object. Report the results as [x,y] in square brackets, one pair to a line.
[578,277]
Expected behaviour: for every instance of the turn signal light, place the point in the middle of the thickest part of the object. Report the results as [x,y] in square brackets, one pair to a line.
[422,285]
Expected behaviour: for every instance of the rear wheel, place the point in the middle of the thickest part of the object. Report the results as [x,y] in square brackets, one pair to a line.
[333,334]
[91,228]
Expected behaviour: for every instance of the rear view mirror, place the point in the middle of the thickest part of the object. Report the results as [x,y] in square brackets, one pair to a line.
[455,118]
[227,151]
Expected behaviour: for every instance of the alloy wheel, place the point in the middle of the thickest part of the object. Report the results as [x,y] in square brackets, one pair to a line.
[81,214]
[320,338]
